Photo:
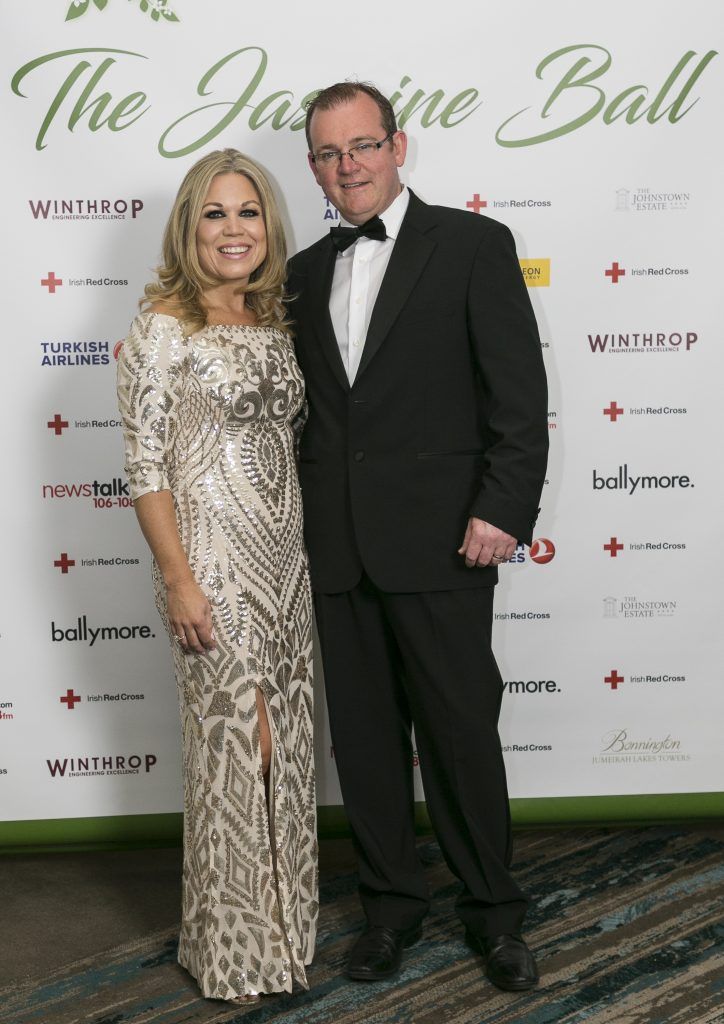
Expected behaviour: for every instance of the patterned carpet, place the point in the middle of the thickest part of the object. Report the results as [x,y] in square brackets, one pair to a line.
[627,926]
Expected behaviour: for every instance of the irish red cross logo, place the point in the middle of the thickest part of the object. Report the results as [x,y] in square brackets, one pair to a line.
[614,272]
[476,204]
[613,547]
[613,412]
[613,679]
[70,700]
[51,282]
[58,424]
[64,563]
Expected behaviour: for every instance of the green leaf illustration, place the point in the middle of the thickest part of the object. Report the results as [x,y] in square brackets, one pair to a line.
[100,4]
[77,8]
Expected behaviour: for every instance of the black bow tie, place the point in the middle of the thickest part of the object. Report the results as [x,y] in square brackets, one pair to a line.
[344,237]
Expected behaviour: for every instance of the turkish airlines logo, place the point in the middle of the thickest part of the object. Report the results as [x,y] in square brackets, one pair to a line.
[542,551]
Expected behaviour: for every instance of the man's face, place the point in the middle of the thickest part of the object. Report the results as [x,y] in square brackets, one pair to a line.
[366,186]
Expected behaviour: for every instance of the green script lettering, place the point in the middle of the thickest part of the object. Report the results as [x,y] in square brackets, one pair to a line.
[86,102]
[629,103]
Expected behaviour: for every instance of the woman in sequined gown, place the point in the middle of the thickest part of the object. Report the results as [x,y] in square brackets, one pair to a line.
[211,397]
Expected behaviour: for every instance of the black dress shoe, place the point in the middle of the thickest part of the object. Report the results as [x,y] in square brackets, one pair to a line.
[377,953]
[509,963]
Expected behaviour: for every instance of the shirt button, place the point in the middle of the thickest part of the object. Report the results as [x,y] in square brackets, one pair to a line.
[355,344]
[359,455]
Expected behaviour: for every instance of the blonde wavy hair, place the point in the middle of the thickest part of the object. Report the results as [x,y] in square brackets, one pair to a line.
[181,282]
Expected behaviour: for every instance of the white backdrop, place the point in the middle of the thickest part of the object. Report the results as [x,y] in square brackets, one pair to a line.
[595,135]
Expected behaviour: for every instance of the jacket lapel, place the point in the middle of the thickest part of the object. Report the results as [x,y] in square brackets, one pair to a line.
[410,254]
[319,286]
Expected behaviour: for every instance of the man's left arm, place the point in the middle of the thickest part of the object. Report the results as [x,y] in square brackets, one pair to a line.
[505,340]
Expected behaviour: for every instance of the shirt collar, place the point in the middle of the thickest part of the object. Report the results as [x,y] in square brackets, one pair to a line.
[392,216]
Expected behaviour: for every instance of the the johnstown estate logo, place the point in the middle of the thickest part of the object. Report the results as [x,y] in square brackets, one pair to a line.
[81,632]
[645,200]
[619,747]
[158,9]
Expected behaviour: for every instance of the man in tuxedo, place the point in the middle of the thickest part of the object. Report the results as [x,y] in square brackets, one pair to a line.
[422,463]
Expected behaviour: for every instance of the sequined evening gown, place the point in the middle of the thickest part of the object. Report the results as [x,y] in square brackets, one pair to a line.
[211,417]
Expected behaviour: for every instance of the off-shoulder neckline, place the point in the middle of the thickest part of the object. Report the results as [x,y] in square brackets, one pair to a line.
[209,327]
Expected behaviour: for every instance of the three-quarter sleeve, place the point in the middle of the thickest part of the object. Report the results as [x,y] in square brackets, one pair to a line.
[150,377]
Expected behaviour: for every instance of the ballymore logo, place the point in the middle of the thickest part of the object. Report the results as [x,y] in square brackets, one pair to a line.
[85,209]
[100,764]
[642,341]
[623,480]
[536,273]
[524,686]
[82,633]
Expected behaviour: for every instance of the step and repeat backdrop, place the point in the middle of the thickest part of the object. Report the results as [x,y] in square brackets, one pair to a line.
[594,133]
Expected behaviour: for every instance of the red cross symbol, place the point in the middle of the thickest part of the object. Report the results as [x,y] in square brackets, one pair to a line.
[51,282]
[64,563]
[476,204]
[614,272]
[613,679]
[613,547]
[57,424]
[613,412]
[70,699]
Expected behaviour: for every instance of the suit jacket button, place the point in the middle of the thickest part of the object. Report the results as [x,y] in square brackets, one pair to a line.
[359,455]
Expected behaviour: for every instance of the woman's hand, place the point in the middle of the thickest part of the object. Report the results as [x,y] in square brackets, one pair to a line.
[189,615]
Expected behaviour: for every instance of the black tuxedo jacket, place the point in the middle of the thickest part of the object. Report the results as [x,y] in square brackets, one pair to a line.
[447,416]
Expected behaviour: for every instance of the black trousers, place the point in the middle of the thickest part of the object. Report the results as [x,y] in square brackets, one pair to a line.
[396,660]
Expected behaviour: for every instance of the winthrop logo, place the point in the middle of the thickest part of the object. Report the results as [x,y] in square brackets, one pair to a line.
[85,209]
[625,481]
[85,634]
[101,764]
[643,341]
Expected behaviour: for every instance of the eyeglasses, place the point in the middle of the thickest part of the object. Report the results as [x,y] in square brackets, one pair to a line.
[362,151]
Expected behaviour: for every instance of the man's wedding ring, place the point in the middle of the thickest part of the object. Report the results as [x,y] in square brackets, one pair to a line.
[179,639]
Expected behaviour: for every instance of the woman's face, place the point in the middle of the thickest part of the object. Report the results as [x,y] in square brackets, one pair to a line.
[231,234]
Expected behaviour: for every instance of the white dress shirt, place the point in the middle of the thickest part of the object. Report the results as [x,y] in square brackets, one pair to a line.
[358,275]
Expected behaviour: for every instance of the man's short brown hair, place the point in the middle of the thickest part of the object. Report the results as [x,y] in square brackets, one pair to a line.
[345,92]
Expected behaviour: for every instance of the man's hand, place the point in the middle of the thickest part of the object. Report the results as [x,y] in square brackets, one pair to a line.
[485,544]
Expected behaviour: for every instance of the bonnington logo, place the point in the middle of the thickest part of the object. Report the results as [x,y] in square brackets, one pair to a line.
[101,764]
[85,209]
[82,633]
[105,494]
[623,480]
[75,353]
[647,200]
[634,608]
[523,686]
[82,94]
[642,342]
[620,747]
